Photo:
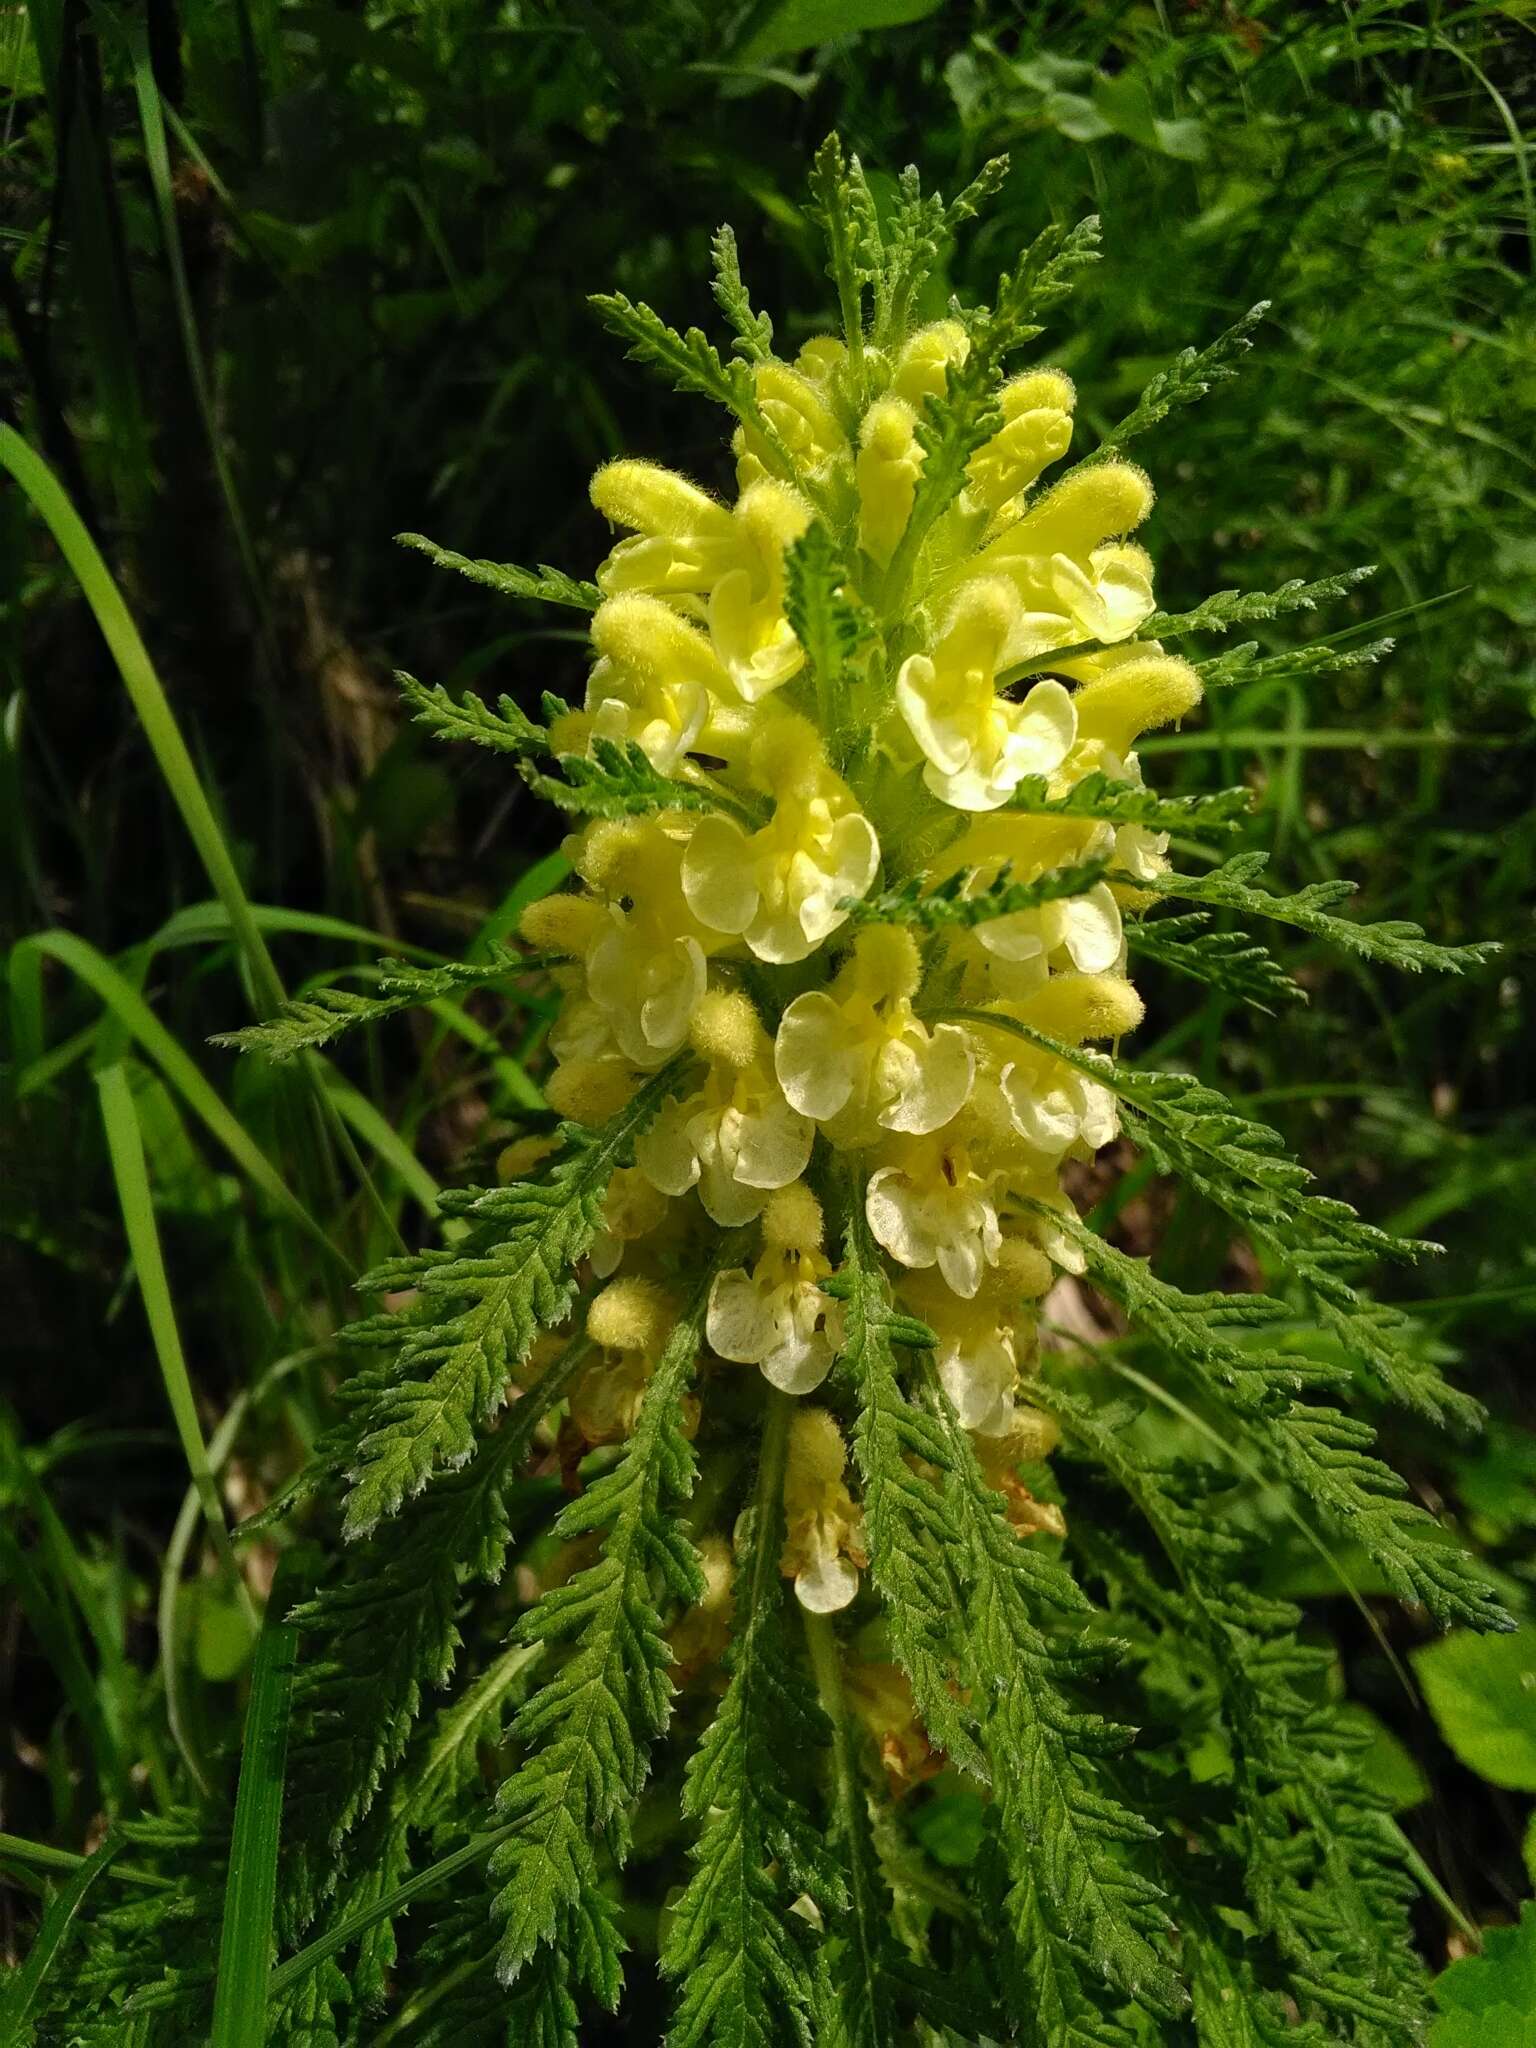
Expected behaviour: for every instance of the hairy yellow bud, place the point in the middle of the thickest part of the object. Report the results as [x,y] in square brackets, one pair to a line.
[922,366]
[631,1314]
[772,515]
[1136,696]
[1022,1273]
[1037,391]
[1073,1007]
[889,464]
[725,1030]
[787,756]
[562,924]
[821,358]
[589,1091]
[1086,509]
[886,963]
[607,852]
[792,1219]
[645,635]
[654,500]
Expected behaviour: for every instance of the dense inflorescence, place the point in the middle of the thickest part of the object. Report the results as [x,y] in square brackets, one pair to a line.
[987,648]
[861,851]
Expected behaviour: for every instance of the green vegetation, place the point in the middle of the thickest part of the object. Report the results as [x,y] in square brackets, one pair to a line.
[281,1572]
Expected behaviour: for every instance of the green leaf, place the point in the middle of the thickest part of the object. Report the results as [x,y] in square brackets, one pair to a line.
[26,1982]
[245,1938]
[1229,962]
[1482,1692]
[1481,1998]
[831,624]
[754,331]
[586,1735]
[1229,608]
[306,1022]
[732,1943]
[927,908]
[507,730]
[544,585]
[1191,374]
[1098,795]
[481,1306]
[1392,942]
[804,24]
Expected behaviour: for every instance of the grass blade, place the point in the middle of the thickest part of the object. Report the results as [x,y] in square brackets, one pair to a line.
[245,1939]
[139,1020]
[149,701]
[22,1996]
[125,1144]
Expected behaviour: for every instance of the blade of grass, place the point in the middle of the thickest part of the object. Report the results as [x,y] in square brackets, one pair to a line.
[25,1986]
[135,1015]
[149,702]
[17,1851]
[245,1937]
[125,1144]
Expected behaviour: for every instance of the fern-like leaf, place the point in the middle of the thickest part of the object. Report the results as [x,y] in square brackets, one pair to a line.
[482,1305]
[506,729]
[915,903]
[586,1735]
[316,1019]
[1391,943]
[1229,608]
[1229,962]
[1191,374]
[544,585]
[1098,795]
[733,1946]
[754,330]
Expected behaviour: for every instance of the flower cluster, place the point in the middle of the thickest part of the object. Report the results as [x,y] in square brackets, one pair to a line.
[994,665]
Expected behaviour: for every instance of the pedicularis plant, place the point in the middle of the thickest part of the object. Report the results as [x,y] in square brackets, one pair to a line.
[863,857]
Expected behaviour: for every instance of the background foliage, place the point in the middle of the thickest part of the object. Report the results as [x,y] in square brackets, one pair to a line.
[282,281]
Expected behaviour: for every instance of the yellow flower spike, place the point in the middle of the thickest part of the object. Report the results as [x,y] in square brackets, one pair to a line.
[1137,697]
[823,1539]
[922,365]
[888,466]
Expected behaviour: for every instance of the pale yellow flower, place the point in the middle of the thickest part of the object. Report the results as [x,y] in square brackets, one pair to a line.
[823,1530]
[929,1207]
[978,745]
[858,1057]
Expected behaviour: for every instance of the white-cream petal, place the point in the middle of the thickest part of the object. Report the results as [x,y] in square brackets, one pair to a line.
[719,876]
[739,1323]
[812,1058]
[828,1585]
[1093,930]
